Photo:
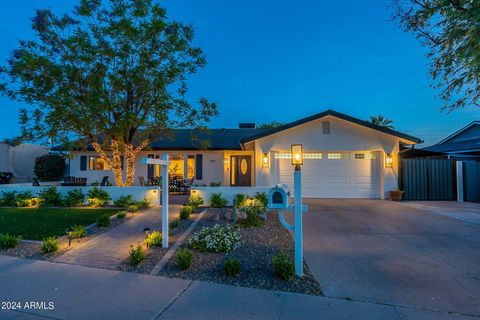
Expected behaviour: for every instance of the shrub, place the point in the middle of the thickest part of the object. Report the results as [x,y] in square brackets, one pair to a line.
[49,167]
[49,244]
[133,208]
[217,201]
[215,239]
[50,197]
[185,212]
[184,259]
[9,198]
[262,199]
[124,201]
[195,201]
[284,267]
[74,198]
[103,221]
[136,255]
[23,199]
[231,267]
[121,215]
[143,204]
[8,241]
[78,231]
[98,197]
[154,239]
[174,223]
[252,213]
[239,200]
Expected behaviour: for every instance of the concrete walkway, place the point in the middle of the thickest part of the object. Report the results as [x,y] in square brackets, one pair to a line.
[87,293]
[109,249]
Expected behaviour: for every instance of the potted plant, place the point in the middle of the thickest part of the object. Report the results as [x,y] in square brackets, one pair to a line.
[396,195]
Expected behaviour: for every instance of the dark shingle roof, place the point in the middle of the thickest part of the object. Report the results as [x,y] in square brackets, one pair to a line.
[466,145]
[337,115]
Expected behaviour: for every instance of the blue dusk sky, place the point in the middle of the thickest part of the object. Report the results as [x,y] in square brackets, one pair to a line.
[284,60]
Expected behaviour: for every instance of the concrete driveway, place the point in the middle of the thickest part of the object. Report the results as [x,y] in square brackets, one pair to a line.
[424,255]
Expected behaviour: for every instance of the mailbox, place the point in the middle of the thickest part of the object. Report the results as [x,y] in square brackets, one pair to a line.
[279,197]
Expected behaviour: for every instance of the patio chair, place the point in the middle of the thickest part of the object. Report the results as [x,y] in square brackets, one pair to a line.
[141,180]
[80,182]
[68,181]
[35,182]
[104,181]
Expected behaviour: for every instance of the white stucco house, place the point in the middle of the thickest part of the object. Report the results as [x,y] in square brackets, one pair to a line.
[344,157]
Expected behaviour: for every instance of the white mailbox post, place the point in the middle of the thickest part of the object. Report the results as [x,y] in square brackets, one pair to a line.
[164,191]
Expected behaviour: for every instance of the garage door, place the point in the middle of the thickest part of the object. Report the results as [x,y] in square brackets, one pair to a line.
[332,175]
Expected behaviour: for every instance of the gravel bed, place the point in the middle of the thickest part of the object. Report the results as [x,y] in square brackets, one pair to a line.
[259,245]
[34,250]
[155,254]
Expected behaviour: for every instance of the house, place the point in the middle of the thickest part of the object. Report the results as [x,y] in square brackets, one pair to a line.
[345,157]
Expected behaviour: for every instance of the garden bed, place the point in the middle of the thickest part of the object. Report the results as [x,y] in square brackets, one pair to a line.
[258,246]
[32,250]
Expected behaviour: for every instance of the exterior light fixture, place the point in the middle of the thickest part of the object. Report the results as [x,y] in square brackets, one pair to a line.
[265,160]
[388,160]
[297,154]
[225,160]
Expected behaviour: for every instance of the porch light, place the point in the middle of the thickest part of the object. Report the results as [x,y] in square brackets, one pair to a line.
[265,160]
[225,160]
[388,160]
[297,154]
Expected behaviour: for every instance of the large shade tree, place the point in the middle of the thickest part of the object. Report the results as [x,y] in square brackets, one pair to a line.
[112,73]
[450,30]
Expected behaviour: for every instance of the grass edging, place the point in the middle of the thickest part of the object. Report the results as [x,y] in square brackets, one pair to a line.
[170,253]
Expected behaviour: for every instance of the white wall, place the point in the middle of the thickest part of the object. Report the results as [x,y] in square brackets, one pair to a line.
[20,160]
[227,192]
[138,193]
[344,136]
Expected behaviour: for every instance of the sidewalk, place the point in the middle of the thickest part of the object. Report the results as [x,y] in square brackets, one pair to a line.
[109,249]
[88,293]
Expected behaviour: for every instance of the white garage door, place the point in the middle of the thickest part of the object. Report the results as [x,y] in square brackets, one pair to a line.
[332,175]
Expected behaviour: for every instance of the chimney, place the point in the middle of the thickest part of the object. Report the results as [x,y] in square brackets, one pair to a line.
[247,125]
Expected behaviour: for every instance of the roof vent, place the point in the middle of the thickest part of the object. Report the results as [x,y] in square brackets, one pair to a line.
[326,127]
[247,125]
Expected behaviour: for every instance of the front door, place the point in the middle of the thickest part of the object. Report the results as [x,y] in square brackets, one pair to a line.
[240,173]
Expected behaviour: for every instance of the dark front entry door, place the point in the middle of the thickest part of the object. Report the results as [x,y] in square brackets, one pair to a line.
[240,171]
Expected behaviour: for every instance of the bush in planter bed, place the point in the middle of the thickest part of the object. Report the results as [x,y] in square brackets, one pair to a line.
[8,199]
[217,201]
[215,239]
[231,267]
[121,215]
[195,201]
[50,197]
[8,241]
[239,200]
[153,239]
[283,265]
[252,213]
[49,167]
[98,197]
[74,198]
[184,259]
[124,201]
[49,245]
[185,212]
[136,255]
[174,223]
[77,232]
[103,221]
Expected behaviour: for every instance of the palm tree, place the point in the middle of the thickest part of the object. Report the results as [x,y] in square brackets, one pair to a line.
[381,121]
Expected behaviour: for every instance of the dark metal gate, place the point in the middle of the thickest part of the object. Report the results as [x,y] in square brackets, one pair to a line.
[428,179]
[471,181]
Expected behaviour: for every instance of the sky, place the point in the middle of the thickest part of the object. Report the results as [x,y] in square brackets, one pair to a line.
[284,60]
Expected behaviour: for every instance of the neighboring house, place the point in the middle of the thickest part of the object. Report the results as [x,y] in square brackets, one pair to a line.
[344,156]
[463,144]
[20,160]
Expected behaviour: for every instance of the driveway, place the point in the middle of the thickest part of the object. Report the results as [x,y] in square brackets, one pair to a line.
[424,255]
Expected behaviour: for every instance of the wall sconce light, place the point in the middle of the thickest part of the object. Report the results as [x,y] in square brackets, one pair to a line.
[265,160]
[388,160]
[297,154]
[225,161]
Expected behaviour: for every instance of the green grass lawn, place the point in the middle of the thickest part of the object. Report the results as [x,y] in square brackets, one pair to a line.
[39,223]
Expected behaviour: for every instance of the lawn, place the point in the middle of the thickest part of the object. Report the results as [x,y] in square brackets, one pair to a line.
[39,223]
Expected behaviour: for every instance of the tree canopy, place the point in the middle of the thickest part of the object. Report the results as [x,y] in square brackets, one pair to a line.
[450,29]
[270,125]
[381,121]
[113,72]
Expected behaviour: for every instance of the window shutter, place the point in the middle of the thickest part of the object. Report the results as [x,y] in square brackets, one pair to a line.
[83,163]
[150,168]
[199,167]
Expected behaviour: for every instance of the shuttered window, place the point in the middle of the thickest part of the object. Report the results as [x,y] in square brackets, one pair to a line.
[199,167]
[83,163]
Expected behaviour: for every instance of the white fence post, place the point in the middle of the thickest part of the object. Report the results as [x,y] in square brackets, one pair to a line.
[459,181]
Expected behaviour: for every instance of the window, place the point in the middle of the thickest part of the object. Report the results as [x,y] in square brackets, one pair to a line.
[372,156]
[308,155]
[312,155]
[337,156]
[283,155]
[359,156]
[326,127]
[97,163]
[176,166]
[191,167]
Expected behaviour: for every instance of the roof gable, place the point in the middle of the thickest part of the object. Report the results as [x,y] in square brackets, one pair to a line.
[334,114]
[470,131]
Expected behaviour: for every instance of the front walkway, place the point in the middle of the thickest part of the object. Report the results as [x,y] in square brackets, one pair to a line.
[109,249]
[87,293]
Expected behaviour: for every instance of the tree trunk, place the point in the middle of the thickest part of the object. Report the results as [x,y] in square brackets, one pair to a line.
[115,161]
[130,155]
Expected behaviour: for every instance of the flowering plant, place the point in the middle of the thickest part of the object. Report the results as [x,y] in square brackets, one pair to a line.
[215,239]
